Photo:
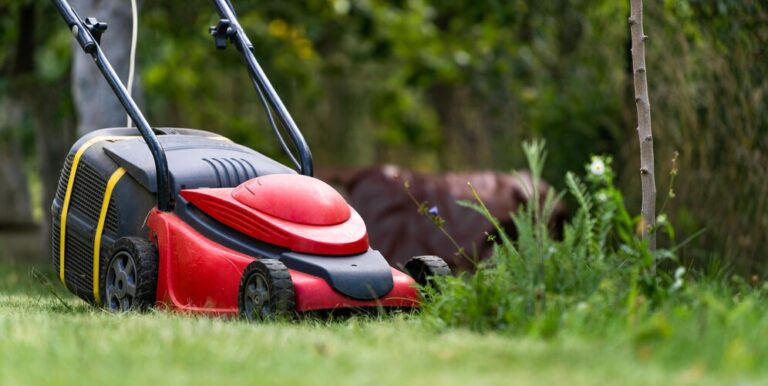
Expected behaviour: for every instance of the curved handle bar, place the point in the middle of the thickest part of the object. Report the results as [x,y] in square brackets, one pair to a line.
[260,79]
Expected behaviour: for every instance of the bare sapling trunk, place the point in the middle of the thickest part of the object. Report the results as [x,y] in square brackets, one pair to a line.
[647,173]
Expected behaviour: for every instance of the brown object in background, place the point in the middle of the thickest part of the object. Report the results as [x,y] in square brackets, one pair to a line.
[397,229]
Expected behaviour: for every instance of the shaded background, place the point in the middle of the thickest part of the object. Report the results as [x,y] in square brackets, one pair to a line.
[432,86]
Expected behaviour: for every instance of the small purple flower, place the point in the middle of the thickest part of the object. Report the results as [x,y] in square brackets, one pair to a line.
[433,211]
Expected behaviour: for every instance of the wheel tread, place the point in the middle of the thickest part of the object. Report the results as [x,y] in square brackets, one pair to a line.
[282,294]
[423,268]
[146,260]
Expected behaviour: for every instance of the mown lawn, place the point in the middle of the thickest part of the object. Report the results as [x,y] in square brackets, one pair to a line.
[42,341]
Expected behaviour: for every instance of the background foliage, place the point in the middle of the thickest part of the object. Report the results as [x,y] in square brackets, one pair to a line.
[453,85]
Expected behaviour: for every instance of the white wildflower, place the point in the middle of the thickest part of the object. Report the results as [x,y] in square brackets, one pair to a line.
[601,196]
[597,167]
[679,272]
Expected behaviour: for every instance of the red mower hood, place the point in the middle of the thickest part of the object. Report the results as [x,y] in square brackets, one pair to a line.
[295,198]
[293,211]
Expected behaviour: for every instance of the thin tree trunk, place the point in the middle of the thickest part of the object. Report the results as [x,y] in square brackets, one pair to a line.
[96,105]
[647,172]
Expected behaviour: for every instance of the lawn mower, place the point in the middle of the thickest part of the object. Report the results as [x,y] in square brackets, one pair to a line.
[187,220]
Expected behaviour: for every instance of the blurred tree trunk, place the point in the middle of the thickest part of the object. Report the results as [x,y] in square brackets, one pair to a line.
[96,105]
[14,191]
[53,138]
[24,107]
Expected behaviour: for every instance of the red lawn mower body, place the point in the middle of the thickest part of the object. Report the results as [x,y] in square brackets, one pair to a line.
[297,212]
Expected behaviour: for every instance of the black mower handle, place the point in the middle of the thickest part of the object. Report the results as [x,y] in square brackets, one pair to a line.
[84,36]
[230,27]
[78,28]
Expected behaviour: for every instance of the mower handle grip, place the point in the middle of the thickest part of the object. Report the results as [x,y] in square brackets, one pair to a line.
[79,30]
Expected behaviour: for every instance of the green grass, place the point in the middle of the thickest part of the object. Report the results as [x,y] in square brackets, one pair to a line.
[42,341]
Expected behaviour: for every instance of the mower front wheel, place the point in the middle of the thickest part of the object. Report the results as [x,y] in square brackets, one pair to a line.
[129,279]
[424,268]
[266,291]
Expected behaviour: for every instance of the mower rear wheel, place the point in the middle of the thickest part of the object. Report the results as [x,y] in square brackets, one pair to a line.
[129,279]
[423,268]
[266,291]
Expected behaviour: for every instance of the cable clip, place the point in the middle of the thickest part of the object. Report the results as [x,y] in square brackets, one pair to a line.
[96,28]
[222,32]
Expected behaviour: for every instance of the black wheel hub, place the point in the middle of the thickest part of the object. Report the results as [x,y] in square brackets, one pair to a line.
[121,283]
[256,297]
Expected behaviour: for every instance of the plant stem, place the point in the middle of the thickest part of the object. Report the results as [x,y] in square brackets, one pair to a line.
[460,251]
